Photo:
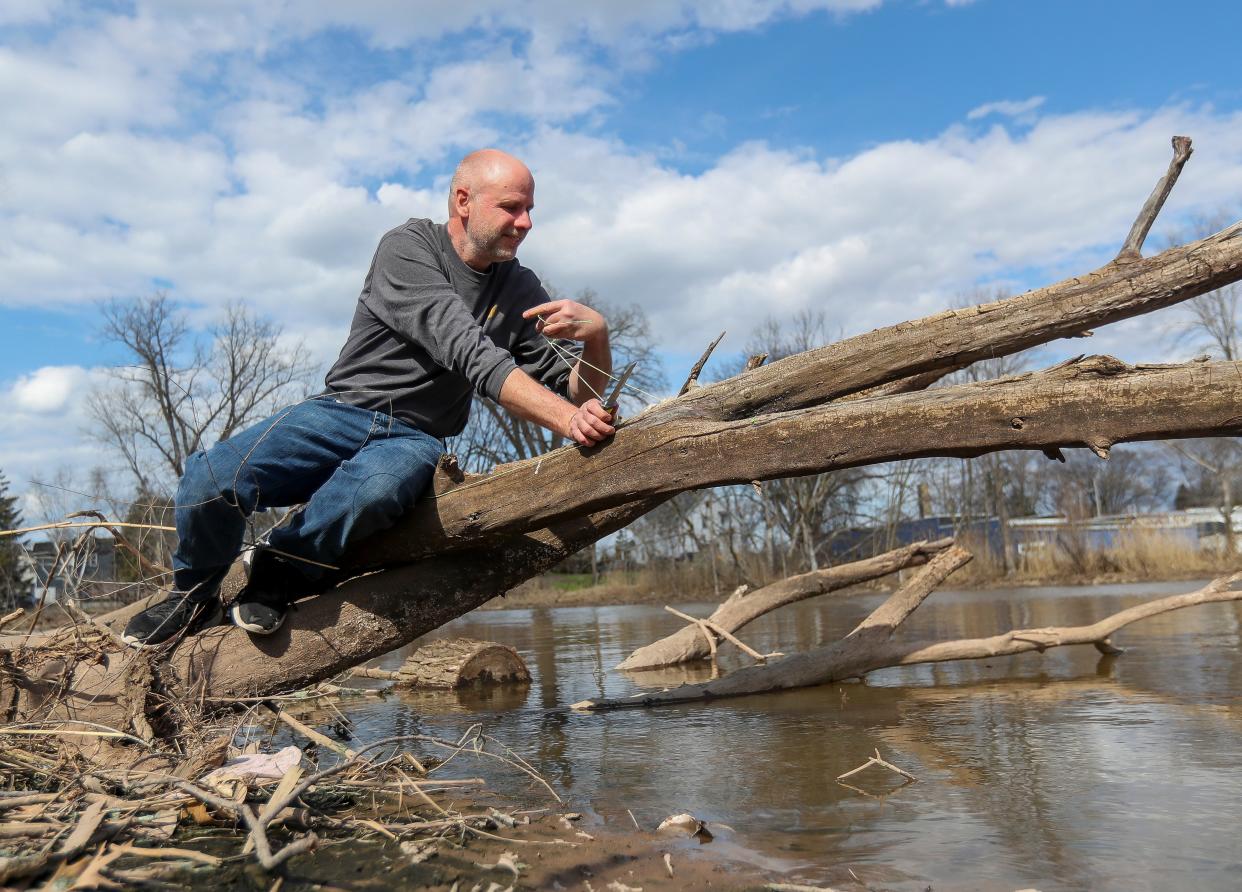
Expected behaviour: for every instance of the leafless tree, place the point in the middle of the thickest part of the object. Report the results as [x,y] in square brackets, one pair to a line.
[1135,479]
[1211,320]
[801,512]
[178,392]
[1212,467]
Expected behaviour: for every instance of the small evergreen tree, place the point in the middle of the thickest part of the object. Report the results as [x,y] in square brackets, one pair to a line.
[13,577]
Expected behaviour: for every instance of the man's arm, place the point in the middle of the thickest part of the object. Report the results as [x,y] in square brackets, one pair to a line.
[525,397]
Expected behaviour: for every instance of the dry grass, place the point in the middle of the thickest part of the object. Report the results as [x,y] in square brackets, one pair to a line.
[1138,555]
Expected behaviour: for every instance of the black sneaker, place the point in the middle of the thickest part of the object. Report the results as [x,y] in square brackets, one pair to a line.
[178,615]
[273,586]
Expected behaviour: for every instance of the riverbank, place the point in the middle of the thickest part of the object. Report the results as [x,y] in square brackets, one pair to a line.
[575,590]
[550,852]
[73,817]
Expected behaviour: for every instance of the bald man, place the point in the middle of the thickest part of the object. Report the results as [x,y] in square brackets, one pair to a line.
[445,312]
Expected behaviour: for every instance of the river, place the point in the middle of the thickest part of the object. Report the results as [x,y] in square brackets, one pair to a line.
[1066,770]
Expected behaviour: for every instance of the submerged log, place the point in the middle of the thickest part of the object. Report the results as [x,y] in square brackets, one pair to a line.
[455,663]
[688,644]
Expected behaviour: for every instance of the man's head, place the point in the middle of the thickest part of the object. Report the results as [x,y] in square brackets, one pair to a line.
[490,200]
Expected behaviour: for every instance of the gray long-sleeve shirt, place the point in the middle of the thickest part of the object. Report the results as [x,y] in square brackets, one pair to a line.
[429,331]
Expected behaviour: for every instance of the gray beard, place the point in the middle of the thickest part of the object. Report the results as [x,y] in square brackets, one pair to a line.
[488,245]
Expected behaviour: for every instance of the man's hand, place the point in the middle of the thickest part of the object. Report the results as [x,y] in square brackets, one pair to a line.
[590,424]
[568,319]
[578,322]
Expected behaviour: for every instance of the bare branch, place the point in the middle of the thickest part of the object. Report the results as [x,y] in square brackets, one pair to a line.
[1133,247]
[693,378]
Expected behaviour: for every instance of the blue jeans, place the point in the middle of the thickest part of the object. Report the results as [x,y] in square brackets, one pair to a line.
[356,470]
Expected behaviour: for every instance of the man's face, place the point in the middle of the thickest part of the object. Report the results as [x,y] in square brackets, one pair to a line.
[500,218]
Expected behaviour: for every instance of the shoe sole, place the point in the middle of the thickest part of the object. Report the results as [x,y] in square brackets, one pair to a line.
[235,615]
[139,644]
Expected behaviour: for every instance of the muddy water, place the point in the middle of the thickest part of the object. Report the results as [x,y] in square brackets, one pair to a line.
[1057,771]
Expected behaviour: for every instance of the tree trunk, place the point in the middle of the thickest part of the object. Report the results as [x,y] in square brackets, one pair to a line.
[1095,401]
[455,663]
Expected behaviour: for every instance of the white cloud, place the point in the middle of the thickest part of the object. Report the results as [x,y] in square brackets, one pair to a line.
[47,390]
[23,12]
[44,428]
[1009,108]
[885,235]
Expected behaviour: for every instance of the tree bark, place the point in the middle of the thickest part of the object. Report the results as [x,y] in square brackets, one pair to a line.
[454,663]
[687,643]
[1097,400]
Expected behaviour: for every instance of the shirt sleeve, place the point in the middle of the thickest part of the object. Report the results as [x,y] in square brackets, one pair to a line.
[537,356]
[411,294]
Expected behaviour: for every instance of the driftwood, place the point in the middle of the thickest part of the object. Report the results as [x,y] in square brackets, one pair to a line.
[868,647]
[743,607]
[476,537]
[455,663]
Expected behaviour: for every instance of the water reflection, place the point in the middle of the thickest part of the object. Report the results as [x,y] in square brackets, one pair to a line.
[1063,770]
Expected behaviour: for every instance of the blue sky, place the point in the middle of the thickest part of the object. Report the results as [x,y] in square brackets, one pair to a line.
[714,162]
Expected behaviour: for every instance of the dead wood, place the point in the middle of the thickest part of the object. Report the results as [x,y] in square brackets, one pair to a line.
[1097,400]
[1132,249]
[867,648]
[448,663]
[692,380]
[688,644]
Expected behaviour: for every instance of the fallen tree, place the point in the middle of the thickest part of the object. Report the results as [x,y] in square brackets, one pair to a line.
[743,607]
[869,646]
[476,537]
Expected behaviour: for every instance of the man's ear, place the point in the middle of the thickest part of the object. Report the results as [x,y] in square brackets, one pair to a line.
[461,202]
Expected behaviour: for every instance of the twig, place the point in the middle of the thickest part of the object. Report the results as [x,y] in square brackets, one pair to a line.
[693,378]
[707,636]
[258,829]
[168,852]
[724,633]
[1133,247]
[65,524]
[112,527]
[707,624]
[876,760]
[95,730]
[310,733]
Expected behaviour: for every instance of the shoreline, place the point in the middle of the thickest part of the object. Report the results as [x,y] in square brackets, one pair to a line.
[543,592]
